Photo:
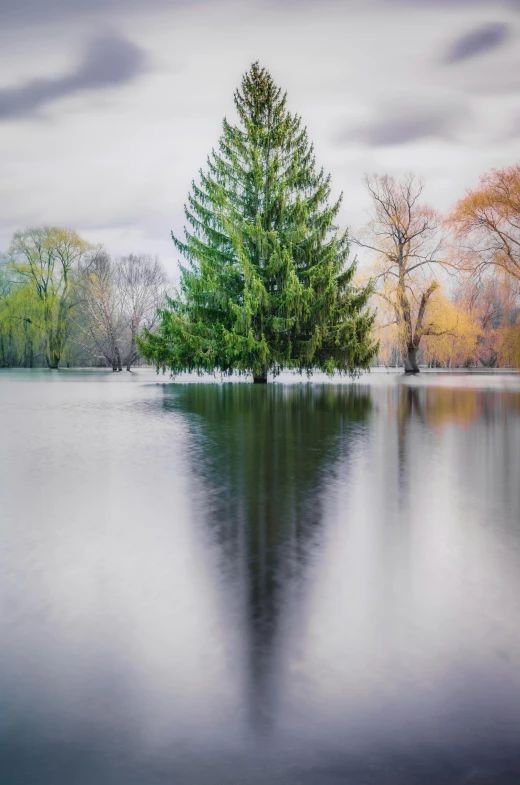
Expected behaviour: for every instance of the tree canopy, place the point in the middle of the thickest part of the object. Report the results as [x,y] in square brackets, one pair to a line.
[44,259]
[63,301]
[486,223]
[267,284]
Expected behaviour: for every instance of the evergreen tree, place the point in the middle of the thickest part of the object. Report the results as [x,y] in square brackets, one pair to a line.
[267,285]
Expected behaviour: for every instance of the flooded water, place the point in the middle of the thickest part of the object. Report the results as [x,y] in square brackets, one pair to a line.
[237,585]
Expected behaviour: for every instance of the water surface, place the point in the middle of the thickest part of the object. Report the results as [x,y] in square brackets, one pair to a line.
[221,583]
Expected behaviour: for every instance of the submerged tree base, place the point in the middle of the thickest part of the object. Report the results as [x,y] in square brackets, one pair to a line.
[262,379]
[410,360]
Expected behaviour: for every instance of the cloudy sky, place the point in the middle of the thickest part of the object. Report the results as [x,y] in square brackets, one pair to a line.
[108,108]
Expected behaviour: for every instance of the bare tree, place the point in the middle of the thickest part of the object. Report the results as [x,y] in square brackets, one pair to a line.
[103,324]
[141,280]
[118,298]
[406,242]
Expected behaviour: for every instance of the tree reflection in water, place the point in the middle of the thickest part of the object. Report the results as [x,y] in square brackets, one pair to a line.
[264,457]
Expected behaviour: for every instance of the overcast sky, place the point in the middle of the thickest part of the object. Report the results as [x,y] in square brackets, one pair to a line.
[108,108]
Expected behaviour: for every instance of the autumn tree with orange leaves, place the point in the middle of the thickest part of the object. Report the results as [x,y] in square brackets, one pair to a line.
[486,224]
[492,303]
[486,228]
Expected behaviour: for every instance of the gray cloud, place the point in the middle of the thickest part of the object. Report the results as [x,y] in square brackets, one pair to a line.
[397,125]
[110,60]
[32,12]
[22,13]
[493,4]
[483,39]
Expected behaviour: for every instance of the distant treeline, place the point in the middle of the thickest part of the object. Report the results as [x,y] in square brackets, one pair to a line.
[446,288]
[65,302]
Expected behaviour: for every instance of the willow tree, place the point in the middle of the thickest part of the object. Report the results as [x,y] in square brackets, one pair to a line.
[267,284]
[20,337]
[486,224]
[44,259]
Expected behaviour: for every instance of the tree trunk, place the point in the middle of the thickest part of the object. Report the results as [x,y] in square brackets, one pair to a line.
[53,354]
[56,334]
[118,359]
[410,360]
[131,352]
[414,337]
[262,379]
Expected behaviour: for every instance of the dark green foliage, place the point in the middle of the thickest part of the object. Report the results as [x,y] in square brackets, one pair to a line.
[267,285]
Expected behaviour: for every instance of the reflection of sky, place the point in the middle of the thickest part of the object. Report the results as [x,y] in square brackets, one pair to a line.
[354,578]
[412,618]
[108,591]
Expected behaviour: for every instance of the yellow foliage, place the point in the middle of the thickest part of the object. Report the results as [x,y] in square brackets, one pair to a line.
[508,345]
[452,335]
[445,406]
[451,332]
[21,319]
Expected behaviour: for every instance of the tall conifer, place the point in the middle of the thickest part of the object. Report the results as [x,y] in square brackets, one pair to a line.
[267,283]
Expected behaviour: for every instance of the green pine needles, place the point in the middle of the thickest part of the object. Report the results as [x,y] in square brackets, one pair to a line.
[267,285]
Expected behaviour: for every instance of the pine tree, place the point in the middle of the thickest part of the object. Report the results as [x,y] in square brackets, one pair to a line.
[267,285]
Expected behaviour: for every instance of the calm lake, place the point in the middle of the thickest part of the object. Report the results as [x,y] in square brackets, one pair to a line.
[307,584]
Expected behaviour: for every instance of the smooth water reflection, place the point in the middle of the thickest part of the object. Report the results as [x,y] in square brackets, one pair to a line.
[233,584]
